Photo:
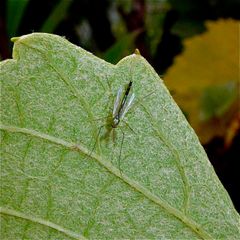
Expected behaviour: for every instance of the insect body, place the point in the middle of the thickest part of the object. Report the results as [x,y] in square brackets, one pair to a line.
[122,105]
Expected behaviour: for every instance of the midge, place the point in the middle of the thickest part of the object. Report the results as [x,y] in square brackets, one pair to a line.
[122,104]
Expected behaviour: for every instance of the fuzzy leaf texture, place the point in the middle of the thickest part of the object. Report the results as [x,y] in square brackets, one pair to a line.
[60,176]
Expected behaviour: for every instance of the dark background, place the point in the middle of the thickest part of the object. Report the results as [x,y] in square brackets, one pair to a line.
[158,28]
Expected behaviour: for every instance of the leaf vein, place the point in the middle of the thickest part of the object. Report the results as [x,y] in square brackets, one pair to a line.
[177,158]
[41,221]
[196,228]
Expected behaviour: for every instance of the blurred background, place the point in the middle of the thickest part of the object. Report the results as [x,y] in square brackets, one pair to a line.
[192,44]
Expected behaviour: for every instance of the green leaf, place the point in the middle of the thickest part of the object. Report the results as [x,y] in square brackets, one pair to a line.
[56,185]
[216,100]
[116,51]
[154,23]
[15,12]
[56,16]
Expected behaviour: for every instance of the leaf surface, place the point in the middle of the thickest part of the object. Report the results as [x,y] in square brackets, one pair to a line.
[61,179]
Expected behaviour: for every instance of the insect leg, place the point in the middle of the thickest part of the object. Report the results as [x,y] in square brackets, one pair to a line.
[95,143]
[127,124]
[120,154]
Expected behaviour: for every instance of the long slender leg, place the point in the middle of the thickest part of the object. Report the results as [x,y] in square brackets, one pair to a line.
[112,134]
[120,154]
[95,143]
[98,119]
[128,126]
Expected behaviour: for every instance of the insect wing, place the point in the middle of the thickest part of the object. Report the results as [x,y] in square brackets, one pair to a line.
[117,102]
[127,105]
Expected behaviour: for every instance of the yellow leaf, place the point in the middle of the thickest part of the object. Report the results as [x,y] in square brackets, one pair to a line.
[208,60]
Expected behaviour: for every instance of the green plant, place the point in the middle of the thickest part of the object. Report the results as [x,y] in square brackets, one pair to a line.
[54,187]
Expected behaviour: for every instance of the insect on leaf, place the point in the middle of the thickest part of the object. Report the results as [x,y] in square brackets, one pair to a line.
[53,188]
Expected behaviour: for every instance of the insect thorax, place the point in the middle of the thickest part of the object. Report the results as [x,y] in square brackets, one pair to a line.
[115,122]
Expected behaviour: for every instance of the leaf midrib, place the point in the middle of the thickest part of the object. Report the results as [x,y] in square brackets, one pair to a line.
[43,222]
[196,228]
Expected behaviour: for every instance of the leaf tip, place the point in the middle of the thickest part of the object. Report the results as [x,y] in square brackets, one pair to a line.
[14,39]
[137,52]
